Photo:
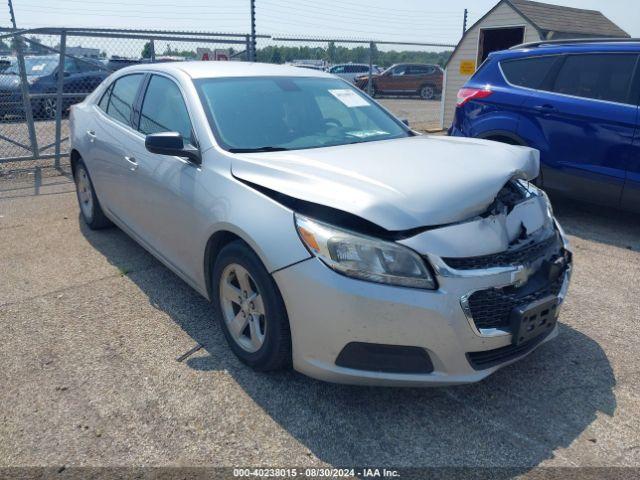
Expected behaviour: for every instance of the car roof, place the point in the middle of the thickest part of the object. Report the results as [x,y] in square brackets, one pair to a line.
[569,47]
[215,69]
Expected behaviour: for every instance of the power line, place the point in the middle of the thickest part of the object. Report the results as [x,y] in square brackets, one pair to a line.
[414,24]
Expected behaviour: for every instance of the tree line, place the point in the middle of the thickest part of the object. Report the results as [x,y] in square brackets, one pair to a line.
[331,54]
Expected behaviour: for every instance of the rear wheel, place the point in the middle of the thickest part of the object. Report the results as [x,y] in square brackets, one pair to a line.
[427,92]
[90,208]
[250,309]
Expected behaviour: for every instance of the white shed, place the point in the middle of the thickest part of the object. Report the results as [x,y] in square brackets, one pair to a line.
[509,23]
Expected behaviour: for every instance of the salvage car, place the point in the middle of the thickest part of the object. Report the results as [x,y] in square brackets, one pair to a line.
[327,235]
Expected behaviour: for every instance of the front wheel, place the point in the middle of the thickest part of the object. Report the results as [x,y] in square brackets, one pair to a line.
[250,309]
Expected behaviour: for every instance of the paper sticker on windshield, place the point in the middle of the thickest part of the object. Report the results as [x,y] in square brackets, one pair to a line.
[367,133]
[38,68]
[349,97]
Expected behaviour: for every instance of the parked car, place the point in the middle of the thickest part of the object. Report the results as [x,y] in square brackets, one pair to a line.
[81,76]
[349,71]
[116,62]
[422,80]
[5,62]
[326,234]
[576,102]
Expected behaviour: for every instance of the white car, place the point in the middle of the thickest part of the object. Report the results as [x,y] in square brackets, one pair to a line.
[349,71]
[327,235]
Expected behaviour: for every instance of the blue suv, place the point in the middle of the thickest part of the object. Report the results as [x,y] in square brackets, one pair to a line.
[576,102]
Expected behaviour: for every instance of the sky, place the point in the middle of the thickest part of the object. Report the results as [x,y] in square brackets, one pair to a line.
[392,20]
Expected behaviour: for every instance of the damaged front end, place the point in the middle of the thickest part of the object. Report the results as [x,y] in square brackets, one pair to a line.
[517,275]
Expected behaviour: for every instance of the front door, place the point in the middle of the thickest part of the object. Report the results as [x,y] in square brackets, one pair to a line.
[162,193]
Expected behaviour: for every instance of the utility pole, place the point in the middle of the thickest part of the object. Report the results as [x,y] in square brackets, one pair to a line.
[253,31]
[464,22]
[13,15]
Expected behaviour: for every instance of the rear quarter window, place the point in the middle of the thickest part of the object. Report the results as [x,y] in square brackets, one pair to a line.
[530,72]
[599,76]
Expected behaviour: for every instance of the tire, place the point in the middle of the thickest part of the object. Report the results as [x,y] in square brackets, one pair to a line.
[257,331]
[90,208]
[374,92]
[47,109]
[427,92]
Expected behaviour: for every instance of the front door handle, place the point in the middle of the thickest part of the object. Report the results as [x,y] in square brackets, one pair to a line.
[133,164]
[92,135]
[545,109]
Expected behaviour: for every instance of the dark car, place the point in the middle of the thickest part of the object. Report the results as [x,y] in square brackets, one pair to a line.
[576,102]
[81,77]
[418,79]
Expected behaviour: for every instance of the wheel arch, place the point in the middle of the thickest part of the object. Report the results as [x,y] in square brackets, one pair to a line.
[503,136]
[217,241]
[74,157]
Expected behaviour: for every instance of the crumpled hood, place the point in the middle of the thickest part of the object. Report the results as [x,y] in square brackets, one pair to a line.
[397,184]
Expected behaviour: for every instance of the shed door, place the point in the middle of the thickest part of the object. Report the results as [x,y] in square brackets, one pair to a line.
[494,39]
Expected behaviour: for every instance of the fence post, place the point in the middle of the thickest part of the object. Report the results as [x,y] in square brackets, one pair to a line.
[370,82]
[59,96]
[248,47]
[26,99]
[152,52]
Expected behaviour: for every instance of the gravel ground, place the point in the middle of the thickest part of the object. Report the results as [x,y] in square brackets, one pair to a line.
[92,326]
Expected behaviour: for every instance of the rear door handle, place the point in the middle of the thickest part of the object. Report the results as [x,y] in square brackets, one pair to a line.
[92,135]
[133,164]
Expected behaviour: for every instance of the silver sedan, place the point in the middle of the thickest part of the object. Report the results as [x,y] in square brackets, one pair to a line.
[328,235]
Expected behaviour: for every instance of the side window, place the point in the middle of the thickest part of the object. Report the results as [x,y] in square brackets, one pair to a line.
[399,70]
[87,65]
[164,110]
[70,65]
[339,69]
[528,72]
[104,101]
[123,94]
[599,76]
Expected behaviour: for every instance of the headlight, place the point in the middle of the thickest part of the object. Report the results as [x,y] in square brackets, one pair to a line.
[364,257]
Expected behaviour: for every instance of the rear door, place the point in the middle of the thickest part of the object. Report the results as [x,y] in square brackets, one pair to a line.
[110,136]
[586,123]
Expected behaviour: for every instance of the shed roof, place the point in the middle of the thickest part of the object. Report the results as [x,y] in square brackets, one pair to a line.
[556,18]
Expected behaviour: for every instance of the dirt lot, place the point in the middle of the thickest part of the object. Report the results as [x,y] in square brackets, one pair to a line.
[92,326]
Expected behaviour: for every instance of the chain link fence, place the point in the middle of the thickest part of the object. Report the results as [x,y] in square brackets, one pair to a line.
[406,78]
[44,71]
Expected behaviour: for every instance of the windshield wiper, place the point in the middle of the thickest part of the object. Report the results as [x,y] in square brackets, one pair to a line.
[258,149]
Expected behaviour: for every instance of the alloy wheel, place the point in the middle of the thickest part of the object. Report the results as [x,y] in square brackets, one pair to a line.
[242,308]
[427,92]
[85,193]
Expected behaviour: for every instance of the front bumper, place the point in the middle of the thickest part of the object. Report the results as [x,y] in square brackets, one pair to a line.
[328,311]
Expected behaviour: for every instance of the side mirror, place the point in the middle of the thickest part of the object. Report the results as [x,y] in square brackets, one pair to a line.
[171,143]
[405,121]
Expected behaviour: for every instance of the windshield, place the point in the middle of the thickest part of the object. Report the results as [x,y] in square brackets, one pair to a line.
[289,113]
[34,65]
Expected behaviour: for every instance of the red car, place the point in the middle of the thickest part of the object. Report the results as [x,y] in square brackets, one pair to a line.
[417,79]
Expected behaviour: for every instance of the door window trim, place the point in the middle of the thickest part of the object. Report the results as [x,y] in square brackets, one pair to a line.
[143,93]
[109,90]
